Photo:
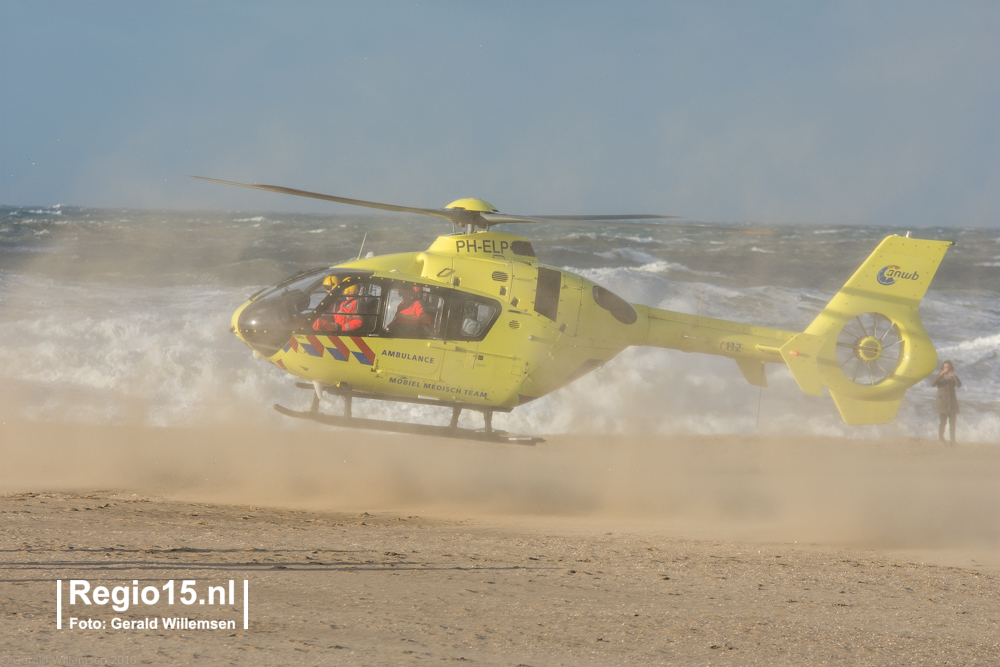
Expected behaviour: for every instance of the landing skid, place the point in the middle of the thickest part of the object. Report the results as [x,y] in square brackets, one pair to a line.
[487,434]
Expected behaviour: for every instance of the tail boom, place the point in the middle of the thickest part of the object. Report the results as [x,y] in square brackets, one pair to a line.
[867,346]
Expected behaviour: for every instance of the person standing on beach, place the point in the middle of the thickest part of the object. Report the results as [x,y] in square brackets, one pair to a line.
[946,403]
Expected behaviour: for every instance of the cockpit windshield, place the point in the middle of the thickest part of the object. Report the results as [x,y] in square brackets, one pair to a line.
[272,316]
[302,281]
[339,302]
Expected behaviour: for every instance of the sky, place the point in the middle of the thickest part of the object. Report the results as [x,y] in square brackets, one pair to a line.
[818,113]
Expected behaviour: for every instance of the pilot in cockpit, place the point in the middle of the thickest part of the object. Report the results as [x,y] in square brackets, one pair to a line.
[342,314]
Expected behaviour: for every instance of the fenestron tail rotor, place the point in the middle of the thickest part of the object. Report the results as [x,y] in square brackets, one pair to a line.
[869,348]
[475,213]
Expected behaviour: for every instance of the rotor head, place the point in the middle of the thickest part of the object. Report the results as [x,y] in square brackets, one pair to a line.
[473,204]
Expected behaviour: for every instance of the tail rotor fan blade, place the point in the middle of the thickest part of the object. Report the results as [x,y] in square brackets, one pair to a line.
[869,348]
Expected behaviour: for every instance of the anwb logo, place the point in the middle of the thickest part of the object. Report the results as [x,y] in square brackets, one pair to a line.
[889,274]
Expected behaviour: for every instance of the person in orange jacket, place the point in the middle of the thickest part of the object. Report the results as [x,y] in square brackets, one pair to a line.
[411,315]
[342,315]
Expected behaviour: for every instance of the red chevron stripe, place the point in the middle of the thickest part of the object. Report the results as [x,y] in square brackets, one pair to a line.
[365,350]
[318,346]
[339,344]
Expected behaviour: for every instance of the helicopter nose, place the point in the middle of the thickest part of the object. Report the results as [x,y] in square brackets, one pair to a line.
[263,325]
[235,320]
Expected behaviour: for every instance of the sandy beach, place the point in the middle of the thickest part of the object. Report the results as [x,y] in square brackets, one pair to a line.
[375,549]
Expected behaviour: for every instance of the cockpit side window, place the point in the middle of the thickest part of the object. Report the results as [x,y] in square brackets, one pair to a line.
[338,304]
[349,308]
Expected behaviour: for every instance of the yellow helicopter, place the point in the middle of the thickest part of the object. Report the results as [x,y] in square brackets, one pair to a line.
[476,322]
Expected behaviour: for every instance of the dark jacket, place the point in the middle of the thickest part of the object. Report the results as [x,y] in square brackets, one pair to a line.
[946,403]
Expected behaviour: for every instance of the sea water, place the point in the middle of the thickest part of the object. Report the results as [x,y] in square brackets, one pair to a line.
[122,316]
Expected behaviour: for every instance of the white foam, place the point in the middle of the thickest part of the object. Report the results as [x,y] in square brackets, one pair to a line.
[112,353]
[629,254]
[975,349]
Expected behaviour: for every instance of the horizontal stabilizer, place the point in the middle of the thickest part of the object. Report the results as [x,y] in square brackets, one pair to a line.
[858,411]
[752,370]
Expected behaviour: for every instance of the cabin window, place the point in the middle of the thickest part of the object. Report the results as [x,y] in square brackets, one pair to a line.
[413,311]
[475,318]
[547,292]
[471,318]
[522,248]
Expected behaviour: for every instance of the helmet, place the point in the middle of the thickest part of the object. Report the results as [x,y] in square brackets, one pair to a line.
[351,289]
[330,282]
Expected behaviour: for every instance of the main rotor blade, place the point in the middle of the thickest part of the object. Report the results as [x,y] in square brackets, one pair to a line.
[499,218]
[608,220]
[639,216]
[459,216]
[721,228]
[463,217]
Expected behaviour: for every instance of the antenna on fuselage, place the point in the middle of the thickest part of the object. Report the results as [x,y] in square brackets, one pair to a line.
[760,396]
[362,245]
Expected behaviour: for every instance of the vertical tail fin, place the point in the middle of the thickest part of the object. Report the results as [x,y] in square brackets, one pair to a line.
[868,346]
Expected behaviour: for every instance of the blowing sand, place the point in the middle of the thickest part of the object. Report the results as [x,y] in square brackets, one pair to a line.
[378,549]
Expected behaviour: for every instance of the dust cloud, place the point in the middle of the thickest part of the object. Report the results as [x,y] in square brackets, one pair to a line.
[902,494]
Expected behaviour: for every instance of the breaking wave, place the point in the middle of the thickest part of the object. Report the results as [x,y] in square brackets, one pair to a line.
[123,317]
